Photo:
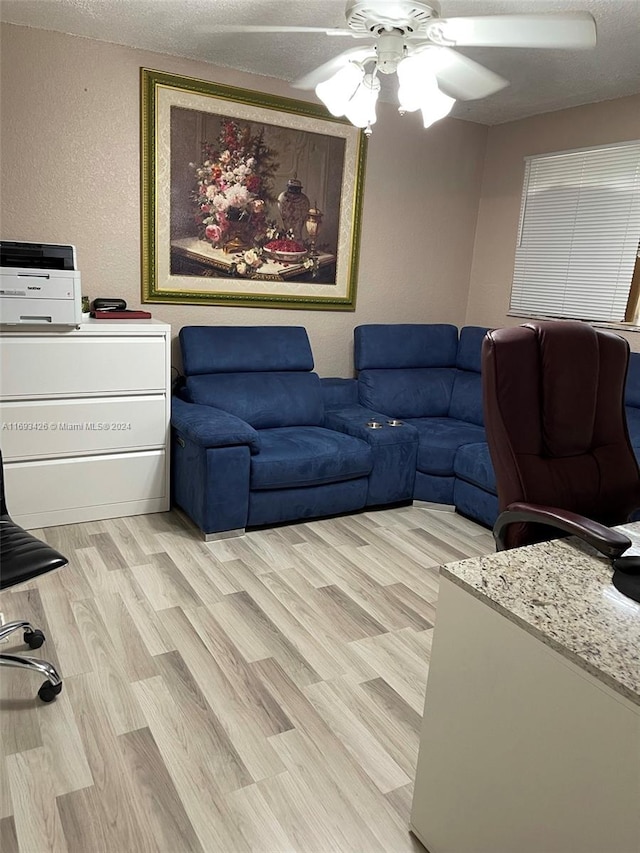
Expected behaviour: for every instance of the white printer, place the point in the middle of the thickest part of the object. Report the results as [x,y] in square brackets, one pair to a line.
[39,285]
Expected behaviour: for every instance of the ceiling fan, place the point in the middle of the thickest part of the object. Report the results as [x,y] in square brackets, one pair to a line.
[408,37]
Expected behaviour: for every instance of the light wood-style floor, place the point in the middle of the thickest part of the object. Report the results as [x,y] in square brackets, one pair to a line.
[258,694]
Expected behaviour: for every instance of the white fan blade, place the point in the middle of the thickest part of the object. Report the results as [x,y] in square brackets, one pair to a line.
[566,30]
[460,77]
[259,28]
[327,69]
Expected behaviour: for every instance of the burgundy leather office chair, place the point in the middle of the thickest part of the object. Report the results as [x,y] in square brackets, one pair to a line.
[557,433]
[23,557]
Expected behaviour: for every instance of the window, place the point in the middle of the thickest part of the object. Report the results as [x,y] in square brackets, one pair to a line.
[578,234]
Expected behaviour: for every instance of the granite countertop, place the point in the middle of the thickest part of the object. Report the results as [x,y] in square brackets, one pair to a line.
[562,593]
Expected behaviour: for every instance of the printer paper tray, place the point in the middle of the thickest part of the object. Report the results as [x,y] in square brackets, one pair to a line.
[40,312]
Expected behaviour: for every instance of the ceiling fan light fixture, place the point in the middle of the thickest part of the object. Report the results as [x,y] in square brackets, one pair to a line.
[336,92]
[418,89]
[415,79]
[390,51]
[411,38]
[361,109]
[435,106]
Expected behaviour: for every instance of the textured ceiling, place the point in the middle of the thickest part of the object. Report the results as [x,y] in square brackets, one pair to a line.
[541,80]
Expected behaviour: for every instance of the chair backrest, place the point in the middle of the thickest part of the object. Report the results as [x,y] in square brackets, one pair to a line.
[555,423]
[407,369]
[262,374]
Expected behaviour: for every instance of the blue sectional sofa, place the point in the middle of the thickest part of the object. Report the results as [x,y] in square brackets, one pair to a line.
[428,376]
[258,438]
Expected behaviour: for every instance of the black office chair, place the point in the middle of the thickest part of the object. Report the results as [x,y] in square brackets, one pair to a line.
[23,557]
[553,397]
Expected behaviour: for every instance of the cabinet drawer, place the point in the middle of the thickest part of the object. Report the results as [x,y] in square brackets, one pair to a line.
[66,365]
[36,429]
[54,486]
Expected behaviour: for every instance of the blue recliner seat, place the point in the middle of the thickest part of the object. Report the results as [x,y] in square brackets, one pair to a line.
[249,445]
[430,378]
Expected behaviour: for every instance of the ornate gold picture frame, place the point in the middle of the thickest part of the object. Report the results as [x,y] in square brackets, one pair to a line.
[247,198]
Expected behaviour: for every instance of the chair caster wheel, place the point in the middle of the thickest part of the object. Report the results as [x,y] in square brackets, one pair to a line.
[49,691]
[34,639]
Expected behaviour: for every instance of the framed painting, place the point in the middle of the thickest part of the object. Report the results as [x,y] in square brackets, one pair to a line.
[247,198]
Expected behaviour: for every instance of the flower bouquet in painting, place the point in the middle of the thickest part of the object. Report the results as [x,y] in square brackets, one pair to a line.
[233,188]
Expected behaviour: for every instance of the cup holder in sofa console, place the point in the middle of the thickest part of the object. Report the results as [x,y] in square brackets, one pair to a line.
[374,425]
[395,422]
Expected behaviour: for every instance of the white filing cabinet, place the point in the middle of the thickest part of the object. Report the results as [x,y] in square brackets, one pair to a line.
[84,421]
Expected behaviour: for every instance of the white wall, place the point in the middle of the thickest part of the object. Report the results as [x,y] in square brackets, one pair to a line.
[70,172]
[507,145]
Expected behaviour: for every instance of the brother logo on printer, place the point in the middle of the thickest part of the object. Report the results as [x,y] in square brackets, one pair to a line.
[33,287]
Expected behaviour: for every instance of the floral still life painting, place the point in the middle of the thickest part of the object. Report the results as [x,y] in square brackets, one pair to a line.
[248,199]
[233,184]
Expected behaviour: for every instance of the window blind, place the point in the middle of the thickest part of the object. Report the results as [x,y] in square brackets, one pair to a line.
[578,233]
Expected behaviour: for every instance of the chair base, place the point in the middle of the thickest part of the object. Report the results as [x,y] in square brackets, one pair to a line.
[626,576]
[34,638]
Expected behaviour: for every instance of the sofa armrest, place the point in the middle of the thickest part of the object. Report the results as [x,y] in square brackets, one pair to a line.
[211,427]
[353,421]
[394,450]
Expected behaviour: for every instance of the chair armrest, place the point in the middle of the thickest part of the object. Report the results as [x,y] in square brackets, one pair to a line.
[605,540]
[353,420]
[211,427]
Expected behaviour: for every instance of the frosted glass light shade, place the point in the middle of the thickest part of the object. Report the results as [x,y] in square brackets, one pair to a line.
[437,105]
[336,92]
[361,109]
[418,89]
[353,93]
[415,79]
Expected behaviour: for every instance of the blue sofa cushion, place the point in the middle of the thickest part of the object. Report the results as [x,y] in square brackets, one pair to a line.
[466,398]
[473,464]
[338,393]
[308,456]
[470,348]
[264,400]
[475,503]
[439,440]
[402,345]
[632,387]
[239,349]
[633,425]
[412,393]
